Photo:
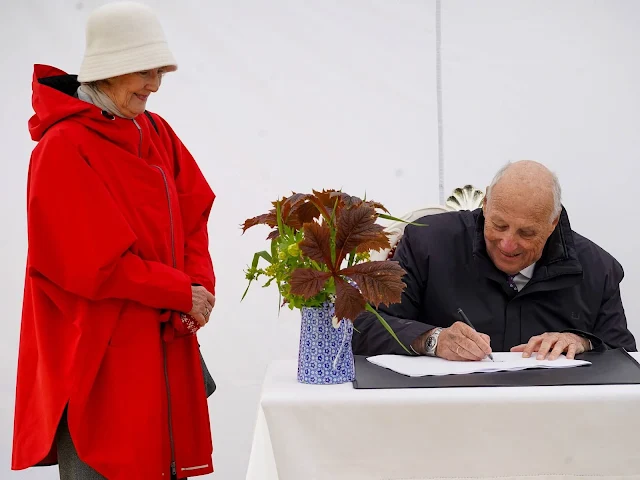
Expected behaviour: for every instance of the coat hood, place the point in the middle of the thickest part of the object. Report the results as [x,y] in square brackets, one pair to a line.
[54,99]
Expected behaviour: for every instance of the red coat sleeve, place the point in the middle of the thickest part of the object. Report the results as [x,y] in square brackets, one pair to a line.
[196,199]
[80,241]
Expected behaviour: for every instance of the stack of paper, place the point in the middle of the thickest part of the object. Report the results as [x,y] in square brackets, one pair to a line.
[504,362]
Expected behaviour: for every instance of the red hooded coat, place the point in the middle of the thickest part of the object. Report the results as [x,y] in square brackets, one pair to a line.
[117,227]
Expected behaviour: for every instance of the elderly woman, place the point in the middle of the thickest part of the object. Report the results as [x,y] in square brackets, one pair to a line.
[110,380]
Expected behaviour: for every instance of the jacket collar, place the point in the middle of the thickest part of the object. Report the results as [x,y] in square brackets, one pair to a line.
[558,267]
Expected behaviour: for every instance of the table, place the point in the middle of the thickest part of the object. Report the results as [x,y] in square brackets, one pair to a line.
[322,432]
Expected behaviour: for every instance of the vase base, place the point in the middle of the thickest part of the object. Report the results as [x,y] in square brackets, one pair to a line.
[322,378]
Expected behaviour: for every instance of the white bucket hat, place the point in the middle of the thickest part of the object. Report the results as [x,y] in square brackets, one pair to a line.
[121,38]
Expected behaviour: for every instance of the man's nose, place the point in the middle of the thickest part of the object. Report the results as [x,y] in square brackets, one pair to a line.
[508,245]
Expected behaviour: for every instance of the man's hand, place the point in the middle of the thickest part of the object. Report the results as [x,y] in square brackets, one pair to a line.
[458,342]
[202,304]
[461,342]
[556,343]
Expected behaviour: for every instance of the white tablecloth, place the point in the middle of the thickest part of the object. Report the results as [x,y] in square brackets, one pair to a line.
[309,432]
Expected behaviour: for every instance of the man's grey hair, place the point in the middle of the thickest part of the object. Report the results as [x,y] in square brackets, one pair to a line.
[555,187]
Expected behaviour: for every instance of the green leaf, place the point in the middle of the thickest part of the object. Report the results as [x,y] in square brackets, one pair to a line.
[254,265]
[279,217]
[387,327]
[395,219]
[264,254]
[274,249]
[316,265]
[352,257]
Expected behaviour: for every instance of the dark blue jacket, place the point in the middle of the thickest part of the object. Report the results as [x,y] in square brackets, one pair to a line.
[575,287]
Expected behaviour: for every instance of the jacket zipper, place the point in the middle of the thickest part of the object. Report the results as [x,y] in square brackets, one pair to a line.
[140,135]
[166,189]
[174,471]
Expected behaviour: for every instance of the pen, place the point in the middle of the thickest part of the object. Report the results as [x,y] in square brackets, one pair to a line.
[466,320]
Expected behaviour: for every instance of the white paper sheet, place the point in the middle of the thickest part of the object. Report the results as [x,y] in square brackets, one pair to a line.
[504,361]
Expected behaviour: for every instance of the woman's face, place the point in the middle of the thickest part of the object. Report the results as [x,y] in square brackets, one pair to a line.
[130,92]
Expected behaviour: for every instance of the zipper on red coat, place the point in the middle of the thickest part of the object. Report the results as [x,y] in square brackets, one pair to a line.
[174,471]
[140,134]
[166,188]
[164,346]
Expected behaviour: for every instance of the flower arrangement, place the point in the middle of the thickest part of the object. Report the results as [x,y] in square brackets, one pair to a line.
[319,254]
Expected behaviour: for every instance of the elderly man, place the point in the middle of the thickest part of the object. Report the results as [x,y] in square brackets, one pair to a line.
[525,280]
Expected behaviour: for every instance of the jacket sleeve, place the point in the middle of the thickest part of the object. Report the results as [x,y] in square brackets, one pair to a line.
[611,323]
[403,317]
[79,239]
[196,199]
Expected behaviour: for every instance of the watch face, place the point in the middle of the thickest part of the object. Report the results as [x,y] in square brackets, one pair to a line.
[431,343]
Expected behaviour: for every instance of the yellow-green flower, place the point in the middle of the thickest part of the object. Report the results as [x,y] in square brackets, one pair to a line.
[282,256]
[362,257]
[293,250]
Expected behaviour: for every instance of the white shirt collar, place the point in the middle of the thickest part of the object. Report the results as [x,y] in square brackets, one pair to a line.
[528,271]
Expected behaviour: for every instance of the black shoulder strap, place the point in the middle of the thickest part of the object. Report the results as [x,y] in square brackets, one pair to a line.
[153,122]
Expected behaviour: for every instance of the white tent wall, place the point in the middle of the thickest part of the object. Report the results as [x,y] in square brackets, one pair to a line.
[278,96]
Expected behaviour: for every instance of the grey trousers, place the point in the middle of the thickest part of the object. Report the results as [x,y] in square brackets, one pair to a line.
[72,468]
[69,465]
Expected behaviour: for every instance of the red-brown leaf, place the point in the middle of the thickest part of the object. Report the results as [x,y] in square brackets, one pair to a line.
[301,213]
[326,201]
[377,244]
[379,282]
[327,197]
[264,219]
[290,203]
[349,302]
[308,282]
[376,205]
[350,201]
[316,243]
[281,200]
[356,226]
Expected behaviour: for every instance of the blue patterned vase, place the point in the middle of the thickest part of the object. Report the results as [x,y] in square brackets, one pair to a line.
[325,355]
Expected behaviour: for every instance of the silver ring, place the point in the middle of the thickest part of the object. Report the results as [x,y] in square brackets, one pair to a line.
[206,312]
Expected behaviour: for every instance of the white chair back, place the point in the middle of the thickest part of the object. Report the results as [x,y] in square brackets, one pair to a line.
[463,198]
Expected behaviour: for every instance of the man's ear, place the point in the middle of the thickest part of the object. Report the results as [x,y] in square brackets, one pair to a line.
[484,200]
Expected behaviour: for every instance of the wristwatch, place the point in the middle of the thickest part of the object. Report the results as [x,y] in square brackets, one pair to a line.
[431,343]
